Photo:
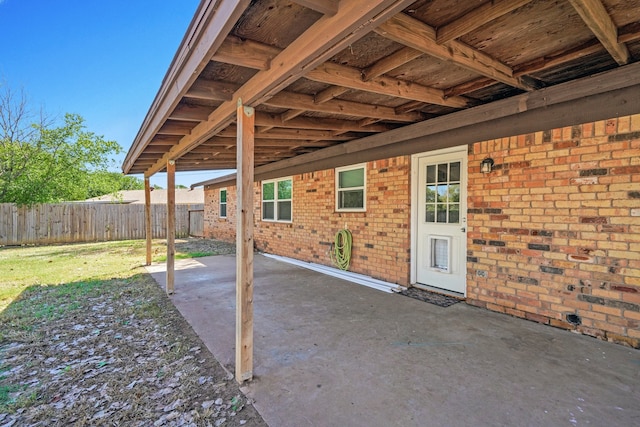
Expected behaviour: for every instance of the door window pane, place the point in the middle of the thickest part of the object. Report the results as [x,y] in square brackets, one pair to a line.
[431,194]
[454,171]
[442,172]
[442,193]
[454,213]
[431,174]
[431,213]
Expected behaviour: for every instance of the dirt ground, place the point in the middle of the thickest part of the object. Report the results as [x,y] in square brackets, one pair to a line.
[121,355]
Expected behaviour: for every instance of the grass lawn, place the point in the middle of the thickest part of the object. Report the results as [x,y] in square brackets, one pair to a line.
[54,265]
[88,338]
[27,266]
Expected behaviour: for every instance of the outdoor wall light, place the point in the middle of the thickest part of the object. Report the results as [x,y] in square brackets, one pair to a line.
[486,165]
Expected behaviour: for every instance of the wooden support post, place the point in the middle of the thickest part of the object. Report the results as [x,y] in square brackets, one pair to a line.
[147,217]
[171,224]
[244,243]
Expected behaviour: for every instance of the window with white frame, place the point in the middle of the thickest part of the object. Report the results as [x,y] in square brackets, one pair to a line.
[277,197]
[351,188]
[223,203]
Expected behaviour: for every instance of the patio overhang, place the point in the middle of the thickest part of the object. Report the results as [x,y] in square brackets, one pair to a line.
[280,87]
[321,73]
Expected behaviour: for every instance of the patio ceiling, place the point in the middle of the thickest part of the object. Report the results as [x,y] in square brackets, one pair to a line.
[320,73]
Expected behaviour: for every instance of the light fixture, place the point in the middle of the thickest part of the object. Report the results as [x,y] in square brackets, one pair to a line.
[486,165]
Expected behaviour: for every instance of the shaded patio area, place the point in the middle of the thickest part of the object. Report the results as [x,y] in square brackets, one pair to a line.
[333,353]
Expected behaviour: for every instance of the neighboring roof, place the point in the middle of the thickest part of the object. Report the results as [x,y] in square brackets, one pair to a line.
[327,73]
[183,196]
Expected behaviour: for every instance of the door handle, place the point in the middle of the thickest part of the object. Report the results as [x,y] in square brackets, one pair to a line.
[463,229]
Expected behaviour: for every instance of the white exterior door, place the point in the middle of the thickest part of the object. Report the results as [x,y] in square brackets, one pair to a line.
[440,243]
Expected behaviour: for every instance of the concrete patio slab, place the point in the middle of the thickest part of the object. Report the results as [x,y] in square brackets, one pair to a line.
[333,353]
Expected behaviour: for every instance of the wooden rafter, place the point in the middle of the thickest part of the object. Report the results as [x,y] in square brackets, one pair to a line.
[599,22]
[245,53]
[320,104]
[306,52]
[310,134]
[274,120]
[342,75]
[330,93]
[477,18]
[212,90]
[418,35]
[391,62]
[217,142]
[192,113]
[306,102]
[327,7]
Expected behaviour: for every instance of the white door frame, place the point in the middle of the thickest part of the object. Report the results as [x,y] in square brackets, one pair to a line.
[415,187]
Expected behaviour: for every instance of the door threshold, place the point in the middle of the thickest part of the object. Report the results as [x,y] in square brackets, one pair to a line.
[438,290]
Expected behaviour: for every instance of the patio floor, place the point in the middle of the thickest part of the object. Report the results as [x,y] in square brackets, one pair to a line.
[333,353]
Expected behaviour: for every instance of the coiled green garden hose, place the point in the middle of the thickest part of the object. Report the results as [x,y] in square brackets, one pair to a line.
[341,252]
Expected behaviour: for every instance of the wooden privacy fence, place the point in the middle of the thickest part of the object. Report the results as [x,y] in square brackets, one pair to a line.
[196,222]
[86,222]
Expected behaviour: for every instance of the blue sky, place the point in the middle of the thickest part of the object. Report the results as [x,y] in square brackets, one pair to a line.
[104,60]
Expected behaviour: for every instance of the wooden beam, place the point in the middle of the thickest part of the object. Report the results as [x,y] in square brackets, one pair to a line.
[245,53]
[409,106]
[274,120]
[211,90]
[391,62]
[172,127]
[206,32]
[171,225]
[476,18]
[351,77]
[599,22]
[192,113]
[290,114]
[244,244]
[418,35]
[330,93]
[352,22]
[282,133]
[301,101]
[606,95]
[326,7]
[147,219]
[557,58]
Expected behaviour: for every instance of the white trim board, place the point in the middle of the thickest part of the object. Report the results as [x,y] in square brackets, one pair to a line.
[349,276]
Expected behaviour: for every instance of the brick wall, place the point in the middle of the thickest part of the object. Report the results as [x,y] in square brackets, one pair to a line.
[381,235]
[553,231]
[556,228]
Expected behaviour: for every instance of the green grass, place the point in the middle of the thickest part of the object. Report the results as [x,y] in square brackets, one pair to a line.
[197,254]
[83,265]
[5,392]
